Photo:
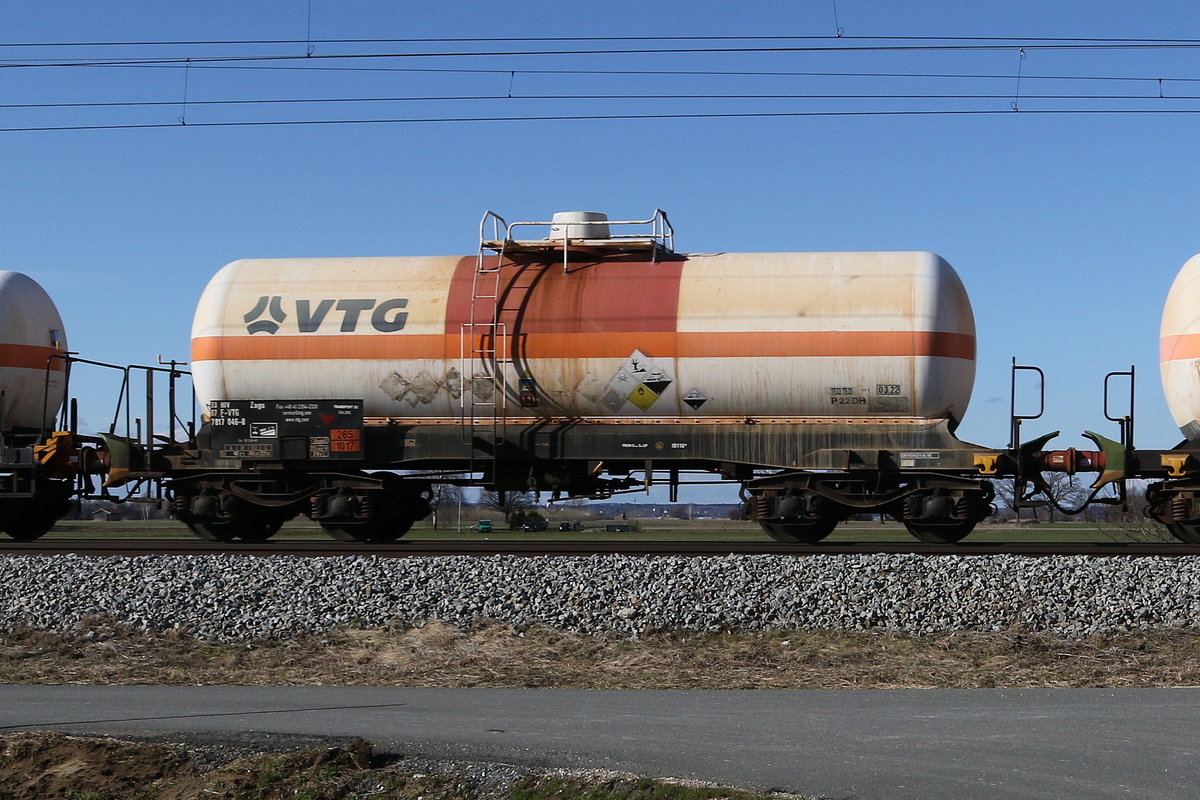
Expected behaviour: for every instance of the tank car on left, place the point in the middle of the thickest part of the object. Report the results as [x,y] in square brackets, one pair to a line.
[34,493]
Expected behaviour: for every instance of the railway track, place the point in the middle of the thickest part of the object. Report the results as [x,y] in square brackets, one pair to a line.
[418,547]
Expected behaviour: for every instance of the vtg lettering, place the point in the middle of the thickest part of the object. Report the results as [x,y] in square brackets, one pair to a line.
[385,316]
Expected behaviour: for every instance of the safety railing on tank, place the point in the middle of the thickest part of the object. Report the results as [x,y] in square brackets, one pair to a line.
[658,240]
[498,225]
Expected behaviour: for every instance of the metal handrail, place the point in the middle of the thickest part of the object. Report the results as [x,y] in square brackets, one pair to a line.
[662,232]
[498,224]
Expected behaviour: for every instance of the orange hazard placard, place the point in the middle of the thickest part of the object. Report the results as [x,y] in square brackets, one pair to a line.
[345,435]
[344,447]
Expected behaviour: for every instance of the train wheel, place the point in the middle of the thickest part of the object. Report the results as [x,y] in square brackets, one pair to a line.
[26,520]
[373,531]
[799,532]
[256,528]
[27,527]
[212,531]
[941,534]
[1185,531]
[259,529]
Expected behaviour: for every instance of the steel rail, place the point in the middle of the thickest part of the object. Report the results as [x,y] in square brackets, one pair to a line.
[428,547]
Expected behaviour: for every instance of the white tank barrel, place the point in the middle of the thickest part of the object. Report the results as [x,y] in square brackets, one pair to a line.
[731,336]
[1179,349]
[31,332]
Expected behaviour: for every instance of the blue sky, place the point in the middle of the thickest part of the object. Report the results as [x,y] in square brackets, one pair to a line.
[1067,230]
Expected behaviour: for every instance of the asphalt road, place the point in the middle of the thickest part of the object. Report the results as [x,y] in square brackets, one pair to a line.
[868,744]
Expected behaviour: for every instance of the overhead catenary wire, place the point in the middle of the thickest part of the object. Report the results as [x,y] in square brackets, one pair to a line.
[992,46]
[920,100]
[595,38]
[577,97]
[657,72]
[597,117]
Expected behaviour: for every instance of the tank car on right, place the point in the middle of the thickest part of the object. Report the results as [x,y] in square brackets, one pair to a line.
[1175,499]
[1172,475]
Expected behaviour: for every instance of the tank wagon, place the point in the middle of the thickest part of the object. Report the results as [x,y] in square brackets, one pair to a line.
[44,462]
[587,360]
[33,344]
[1174,499]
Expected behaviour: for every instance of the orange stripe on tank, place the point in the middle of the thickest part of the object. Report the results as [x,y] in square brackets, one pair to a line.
[307,347]
[29,356]
[657,344]
[827,344]
[1180,347]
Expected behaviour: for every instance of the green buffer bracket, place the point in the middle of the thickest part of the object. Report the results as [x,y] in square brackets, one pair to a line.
[124,457]
[1029,467]
[1116,458]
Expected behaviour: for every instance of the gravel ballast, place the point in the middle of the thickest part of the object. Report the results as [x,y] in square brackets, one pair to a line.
[234,598]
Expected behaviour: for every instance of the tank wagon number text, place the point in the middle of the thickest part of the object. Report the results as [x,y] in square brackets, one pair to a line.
[845,396]
[848,396]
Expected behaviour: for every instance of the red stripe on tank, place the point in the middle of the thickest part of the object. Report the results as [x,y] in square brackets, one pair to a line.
[29,356]
[539,298]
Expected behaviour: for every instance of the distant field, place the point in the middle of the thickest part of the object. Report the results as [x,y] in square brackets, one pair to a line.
[656,529]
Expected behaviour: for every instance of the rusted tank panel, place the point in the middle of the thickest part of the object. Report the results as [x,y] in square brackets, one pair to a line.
[782,335]
[31,331]
[1179,349]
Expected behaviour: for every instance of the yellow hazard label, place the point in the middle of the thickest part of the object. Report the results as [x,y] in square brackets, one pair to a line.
[642,397]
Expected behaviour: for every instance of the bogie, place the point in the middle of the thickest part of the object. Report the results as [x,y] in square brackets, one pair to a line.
[350,507]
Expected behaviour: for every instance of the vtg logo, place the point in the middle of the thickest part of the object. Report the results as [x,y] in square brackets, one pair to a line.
[268,314]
